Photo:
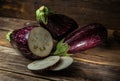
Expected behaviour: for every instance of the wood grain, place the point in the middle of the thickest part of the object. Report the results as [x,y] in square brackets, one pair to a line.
[13,61]
[79,70]
[10,76]
[13,23]
[106,12]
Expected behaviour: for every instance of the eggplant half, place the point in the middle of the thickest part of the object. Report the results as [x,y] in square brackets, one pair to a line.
[82,39]
[32,41]
[58,25]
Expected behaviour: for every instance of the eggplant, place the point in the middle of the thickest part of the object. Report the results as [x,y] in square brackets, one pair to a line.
[58,25]
[32,41]
[82,39]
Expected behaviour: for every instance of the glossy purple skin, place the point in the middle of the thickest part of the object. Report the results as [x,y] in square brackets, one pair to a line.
[86,37]
[19,40]
[59,25]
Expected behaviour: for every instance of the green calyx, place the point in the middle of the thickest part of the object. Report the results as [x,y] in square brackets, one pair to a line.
[62,49]
[42,13]
[8,35]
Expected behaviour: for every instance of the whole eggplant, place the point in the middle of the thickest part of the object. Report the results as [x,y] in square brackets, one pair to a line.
[58,25]
[82,39]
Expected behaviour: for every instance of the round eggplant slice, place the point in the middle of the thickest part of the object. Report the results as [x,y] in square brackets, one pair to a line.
[64,63]
[40,42]
[43,63]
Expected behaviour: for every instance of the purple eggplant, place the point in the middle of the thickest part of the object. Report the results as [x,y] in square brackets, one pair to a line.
[19,40]
[58,25]
[82,39]
[29,41]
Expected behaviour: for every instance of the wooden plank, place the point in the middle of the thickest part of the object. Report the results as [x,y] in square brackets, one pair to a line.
[13,61]
[79,70]
[10,76]
[10,60]
[106,12]
[21,9]
[13,23]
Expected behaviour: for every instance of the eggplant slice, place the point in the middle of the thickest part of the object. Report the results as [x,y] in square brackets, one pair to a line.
[65,62]
[43,63]
[40,42]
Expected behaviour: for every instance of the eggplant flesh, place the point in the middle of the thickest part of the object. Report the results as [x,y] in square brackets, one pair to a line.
[40,42]
[59,25]
[43,63]
[65,62]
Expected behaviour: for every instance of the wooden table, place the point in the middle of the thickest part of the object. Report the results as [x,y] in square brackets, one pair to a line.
[98,64]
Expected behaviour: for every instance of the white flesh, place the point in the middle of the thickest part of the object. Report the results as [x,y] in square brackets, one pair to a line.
[40,42]
[65,62]
[44,63]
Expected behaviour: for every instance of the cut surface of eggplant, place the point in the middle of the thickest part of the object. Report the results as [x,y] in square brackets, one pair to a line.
[40,42]
[43,63]
[65,61]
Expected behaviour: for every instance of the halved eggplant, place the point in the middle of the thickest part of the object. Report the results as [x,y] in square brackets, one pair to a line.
[43,63]
[32,41]
[65,62]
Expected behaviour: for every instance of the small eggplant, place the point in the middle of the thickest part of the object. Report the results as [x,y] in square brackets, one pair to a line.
[58,25]
[32,41]
[82,39]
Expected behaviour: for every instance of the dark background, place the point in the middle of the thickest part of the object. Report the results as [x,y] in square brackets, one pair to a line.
[106,12]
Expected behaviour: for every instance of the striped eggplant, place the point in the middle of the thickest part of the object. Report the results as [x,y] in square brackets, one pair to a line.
[82,39]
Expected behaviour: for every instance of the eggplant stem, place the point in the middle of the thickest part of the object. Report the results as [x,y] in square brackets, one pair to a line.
[62,49]
[8,35]
[42,13]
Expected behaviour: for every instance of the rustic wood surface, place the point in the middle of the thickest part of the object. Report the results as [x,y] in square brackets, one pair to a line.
[106,12]
[98,64]
[10,76]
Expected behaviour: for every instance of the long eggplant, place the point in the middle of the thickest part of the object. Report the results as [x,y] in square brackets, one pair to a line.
[82,39]
[32,41]
[58,25]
